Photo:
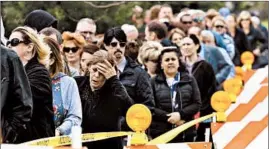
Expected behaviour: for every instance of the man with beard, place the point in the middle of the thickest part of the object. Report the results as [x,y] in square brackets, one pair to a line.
[132,76]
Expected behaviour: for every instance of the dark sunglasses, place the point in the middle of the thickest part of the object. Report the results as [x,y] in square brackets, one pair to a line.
[219,26]
[198,19]
[187,22]
[67,50]
[244,20]
[168,59]
[114,44]
[14,42]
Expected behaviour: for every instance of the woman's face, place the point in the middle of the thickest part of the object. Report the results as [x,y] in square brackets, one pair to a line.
[188,48]
[85,58]
[231,23]
[219,27]
[72,52]
[17,44]
[176,38]
[170,64]
[97,80]
[151,66]
[245,22]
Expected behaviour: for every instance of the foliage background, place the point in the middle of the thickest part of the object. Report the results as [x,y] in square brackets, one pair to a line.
[69,12]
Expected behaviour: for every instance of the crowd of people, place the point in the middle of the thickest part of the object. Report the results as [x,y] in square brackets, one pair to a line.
[172,63]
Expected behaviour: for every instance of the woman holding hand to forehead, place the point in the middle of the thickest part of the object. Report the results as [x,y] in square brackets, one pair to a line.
[204,75]
[176,95]
[104,100]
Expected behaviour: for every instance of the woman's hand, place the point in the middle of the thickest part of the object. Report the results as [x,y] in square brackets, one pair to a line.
[173,117]
[106,69]
[57,132]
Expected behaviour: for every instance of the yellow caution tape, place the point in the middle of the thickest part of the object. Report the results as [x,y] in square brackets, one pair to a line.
[66,140]
[168,136]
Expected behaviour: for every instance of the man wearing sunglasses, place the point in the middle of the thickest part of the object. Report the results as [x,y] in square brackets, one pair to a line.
[132,76]
[16,103]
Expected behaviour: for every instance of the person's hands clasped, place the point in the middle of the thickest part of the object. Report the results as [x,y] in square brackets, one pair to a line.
[174,117]
[106,69]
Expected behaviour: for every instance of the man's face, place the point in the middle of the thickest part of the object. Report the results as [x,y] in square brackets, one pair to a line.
[148,35]
[165,12]
[186,22]
[87,30]
[208,41]
[116,49]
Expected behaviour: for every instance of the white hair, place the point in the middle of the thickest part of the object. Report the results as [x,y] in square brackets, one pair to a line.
[255,20]
[207,33]
[130,31]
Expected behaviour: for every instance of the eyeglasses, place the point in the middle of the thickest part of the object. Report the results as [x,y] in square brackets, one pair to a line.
[73,49]
[14,42]
[115,44]
[187,22]
[244,20]
[219,26]
[198,19]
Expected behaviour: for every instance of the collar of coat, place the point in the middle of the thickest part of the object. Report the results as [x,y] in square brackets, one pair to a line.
[184,77]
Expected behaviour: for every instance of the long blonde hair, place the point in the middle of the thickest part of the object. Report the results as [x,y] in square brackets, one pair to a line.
[29,35]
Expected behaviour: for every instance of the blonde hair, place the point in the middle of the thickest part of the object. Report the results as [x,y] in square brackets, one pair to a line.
[76,38]
[150,50]
[243,14]
[29,35]
[176,30]
[218,18]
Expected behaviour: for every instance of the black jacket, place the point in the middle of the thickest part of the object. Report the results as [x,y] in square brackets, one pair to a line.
[187,98]
[16,98]
[42,122]
[207,83]
[254,37]
[241,45]
[137,83]
[101,110]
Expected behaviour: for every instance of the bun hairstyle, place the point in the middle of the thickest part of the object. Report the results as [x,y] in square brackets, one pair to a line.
[78,39]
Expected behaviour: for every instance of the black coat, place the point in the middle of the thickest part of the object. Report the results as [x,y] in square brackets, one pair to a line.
[241,45]
[16,98]
[207,83]
[137,83]
[42,122]
[187,98]
[101,110]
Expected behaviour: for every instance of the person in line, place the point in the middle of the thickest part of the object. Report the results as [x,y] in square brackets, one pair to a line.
[176,95]
[66,99]
[104,100]
[34,54]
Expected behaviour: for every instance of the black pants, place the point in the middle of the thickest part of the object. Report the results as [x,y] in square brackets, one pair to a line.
[201,133]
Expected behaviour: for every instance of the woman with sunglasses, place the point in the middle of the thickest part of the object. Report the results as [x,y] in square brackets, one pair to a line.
[204,75]
[66,99]
[219,26]
[254,37]
[176,96]
[72,47]
[34,55]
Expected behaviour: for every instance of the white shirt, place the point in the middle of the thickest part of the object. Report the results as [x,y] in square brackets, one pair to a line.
[122,64]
